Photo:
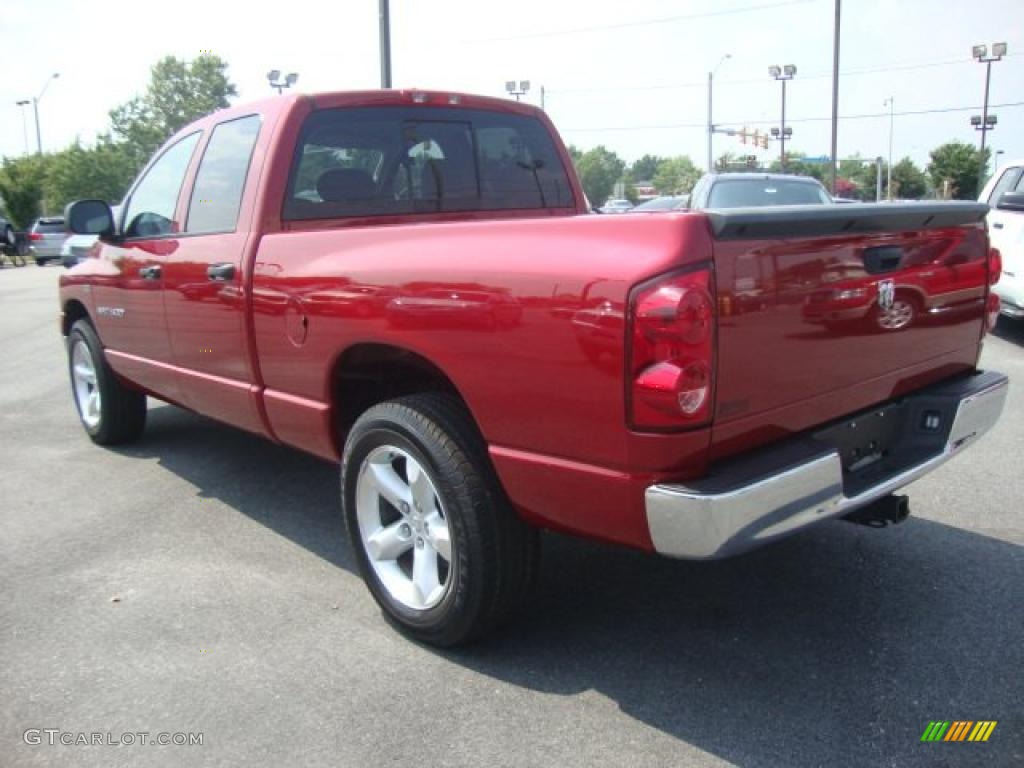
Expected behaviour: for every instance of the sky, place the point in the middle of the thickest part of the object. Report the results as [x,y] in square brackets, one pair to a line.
[629,75]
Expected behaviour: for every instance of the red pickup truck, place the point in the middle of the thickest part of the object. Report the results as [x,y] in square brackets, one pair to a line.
[410,284]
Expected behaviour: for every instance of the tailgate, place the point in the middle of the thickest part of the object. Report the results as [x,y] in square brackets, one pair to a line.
[824,311]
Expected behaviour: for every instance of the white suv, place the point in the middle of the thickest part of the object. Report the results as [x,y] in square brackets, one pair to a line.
[1005,193]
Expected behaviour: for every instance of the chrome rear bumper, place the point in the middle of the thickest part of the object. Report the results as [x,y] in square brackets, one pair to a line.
[781,490]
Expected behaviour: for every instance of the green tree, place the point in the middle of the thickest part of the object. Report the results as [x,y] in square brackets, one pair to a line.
[908,181]
[599,169]
[645,168]
[676,176]
[958,164]
[21,189]
[178,93]
[103,171]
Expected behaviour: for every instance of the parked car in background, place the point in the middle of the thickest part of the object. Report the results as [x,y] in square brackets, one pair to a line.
[7,239]
[46,237]
[755,190]
[76,247]
[664,203]
[1005,195]
[617,206]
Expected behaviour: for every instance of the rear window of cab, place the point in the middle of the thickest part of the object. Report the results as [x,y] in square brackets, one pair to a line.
[383,161]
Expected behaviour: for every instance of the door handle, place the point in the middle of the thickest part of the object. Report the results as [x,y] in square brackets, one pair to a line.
[221,272]
[997,224]
[150,273]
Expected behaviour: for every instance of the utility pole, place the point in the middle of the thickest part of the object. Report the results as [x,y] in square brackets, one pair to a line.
[385,44]
[878,179]
[835,92]
[711,124]
[888,175]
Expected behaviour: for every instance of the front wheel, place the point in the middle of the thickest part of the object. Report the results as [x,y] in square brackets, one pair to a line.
[438,545]
[110,412]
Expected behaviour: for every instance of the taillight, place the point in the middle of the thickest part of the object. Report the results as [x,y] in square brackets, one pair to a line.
[992,311]
[35,236]
[995,265]
[671,356]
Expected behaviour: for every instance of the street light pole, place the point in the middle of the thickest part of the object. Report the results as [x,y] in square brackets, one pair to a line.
[835,92]
[888,175]
[711,124]
[980,52]
[35,109]
[24,121]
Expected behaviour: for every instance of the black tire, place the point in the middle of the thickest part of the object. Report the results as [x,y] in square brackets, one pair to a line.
[40,262]
[9,240]
[494,554]
[121,411]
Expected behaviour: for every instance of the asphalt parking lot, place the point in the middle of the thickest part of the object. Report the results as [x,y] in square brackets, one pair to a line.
[201,582]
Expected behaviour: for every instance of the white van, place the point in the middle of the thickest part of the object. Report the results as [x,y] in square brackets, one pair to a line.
[1005,194]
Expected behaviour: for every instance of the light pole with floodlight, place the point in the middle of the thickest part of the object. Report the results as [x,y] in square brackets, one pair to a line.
[512,89]
[980,52]
[273,77]
[782,74]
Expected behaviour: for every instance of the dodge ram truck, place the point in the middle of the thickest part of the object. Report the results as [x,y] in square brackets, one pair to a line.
[409,284]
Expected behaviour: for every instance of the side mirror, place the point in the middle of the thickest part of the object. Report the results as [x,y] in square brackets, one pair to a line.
[90,217]
[1011,201]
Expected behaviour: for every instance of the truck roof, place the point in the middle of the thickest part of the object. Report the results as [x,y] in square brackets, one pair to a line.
[764,177]
[328,99]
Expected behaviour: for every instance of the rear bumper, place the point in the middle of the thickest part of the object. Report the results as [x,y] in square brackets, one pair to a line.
[774,493]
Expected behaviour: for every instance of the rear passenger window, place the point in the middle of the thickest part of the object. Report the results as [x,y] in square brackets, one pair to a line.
[220,181]
[396,160]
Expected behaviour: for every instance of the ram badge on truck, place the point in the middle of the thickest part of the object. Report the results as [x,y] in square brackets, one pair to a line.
[409,284]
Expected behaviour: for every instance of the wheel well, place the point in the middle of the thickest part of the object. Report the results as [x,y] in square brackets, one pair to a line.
[73,312]
[367,374]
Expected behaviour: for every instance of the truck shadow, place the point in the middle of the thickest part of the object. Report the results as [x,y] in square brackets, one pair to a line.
[836,647]
[1010,329]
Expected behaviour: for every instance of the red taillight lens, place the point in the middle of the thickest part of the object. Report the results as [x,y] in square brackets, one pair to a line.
[992,311]
[35,236]
[995,265]
[671,362]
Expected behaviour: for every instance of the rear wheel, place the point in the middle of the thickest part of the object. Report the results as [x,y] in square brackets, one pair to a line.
[111,413]
[437,543]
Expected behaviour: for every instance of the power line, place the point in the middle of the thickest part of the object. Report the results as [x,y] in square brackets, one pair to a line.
[761,80]
[645,23]
[703,126]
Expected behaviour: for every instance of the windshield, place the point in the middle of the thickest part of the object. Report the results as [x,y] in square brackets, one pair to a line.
[747,193]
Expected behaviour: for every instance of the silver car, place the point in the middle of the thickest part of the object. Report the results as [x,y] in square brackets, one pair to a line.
[46,238]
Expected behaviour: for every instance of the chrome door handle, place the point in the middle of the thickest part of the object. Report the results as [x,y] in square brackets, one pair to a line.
[997,224]
[150,273]
[221,272]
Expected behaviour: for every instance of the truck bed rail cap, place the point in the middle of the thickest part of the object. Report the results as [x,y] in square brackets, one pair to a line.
[811,220]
